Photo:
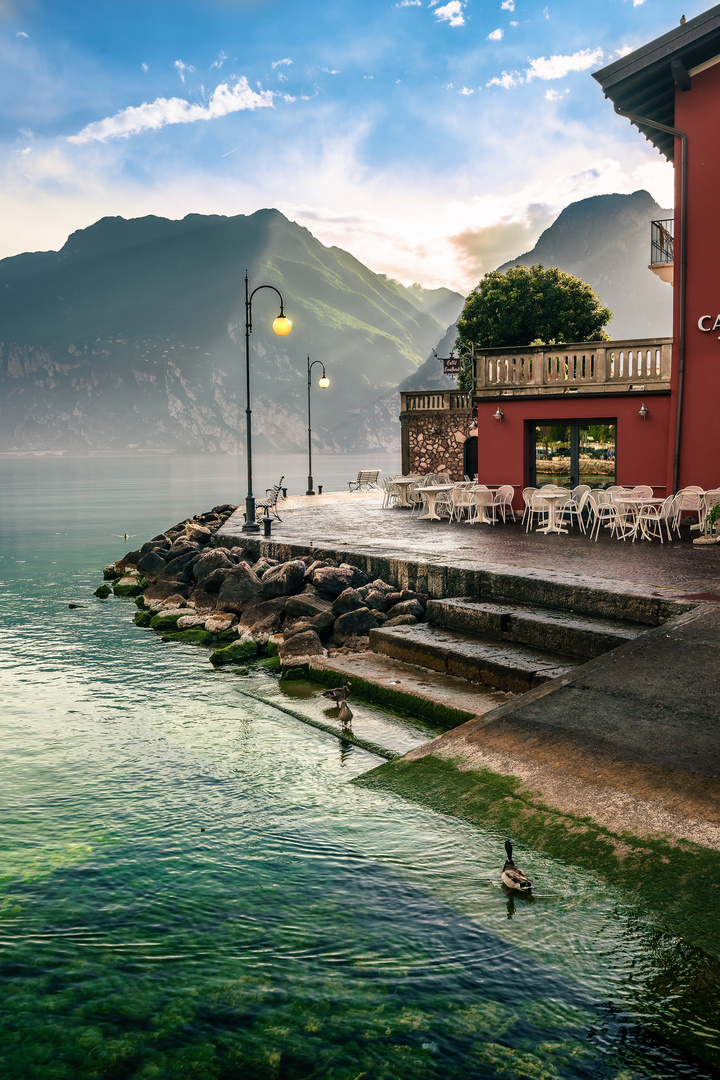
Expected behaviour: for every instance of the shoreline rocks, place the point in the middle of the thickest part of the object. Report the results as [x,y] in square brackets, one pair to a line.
[190,589]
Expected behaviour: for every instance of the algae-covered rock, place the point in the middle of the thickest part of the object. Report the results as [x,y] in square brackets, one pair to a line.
[143,618]
[195,635]
[129,585]
[290,673]
[110,572]
[166,620]
[103,591]
[270,662]
[235,653]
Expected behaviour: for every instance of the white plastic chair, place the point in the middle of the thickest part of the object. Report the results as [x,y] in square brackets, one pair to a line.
[503,500]
[643,490]
[692,500]
[460,502]
[601,513]
[526,494]
[652,517]
[538,507]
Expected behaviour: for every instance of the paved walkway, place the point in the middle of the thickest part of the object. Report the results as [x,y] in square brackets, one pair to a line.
[677,570]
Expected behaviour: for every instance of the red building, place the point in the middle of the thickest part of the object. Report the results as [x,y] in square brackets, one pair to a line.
[634,411]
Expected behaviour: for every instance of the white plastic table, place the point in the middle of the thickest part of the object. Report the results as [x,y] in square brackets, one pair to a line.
[551,498]
[482,499]
[432,491]
[634,503]
[404,482]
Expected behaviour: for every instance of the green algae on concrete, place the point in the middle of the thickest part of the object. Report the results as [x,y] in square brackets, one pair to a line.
[678,881]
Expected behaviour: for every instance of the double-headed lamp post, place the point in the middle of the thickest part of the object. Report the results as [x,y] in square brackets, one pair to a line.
[282,326]
[323,382]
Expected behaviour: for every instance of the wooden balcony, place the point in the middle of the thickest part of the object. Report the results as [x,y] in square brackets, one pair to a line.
[595,367]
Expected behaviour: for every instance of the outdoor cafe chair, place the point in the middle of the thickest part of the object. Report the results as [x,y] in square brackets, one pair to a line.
[503,500]
[652,517]
[537,507]
[391,492]
[601,513]
[692,501]
[573,508]
[460,502]
[644,490]
[526,494]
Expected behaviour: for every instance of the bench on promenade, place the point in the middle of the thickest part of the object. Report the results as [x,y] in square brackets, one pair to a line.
[365,478]
[269,503]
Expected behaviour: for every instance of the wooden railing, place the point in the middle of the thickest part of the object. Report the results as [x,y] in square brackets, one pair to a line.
[594,367]
[442,400]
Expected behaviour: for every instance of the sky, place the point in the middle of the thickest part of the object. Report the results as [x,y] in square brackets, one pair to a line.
[433,139]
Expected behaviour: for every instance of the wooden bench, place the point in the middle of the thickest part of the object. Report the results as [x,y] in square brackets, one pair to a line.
[269,503]
[365,478]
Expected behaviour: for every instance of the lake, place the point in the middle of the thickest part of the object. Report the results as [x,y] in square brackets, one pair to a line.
[191,884]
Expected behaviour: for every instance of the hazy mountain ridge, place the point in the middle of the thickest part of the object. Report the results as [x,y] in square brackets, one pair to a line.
[132,335]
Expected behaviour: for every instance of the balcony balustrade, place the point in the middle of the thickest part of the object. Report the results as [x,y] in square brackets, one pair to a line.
[440,401]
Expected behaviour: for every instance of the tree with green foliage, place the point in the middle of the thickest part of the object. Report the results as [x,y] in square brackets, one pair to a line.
[529,306]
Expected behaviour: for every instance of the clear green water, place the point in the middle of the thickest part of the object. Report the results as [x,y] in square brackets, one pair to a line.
[190,886]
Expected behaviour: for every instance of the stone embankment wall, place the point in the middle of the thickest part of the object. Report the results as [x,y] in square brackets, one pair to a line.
[436,440]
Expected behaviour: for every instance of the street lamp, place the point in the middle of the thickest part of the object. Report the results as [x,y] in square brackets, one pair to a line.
[282,326]
[323,382]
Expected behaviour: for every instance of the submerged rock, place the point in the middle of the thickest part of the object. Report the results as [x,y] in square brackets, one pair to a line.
[239,651]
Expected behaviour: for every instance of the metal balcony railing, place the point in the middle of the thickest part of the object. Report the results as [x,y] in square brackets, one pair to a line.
[662,242]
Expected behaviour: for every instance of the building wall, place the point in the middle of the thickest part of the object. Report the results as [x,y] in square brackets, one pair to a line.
[641,447]
[696,112]
[435,441]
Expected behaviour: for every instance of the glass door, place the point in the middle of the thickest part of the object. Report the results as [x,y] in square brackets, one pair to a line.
[581,452]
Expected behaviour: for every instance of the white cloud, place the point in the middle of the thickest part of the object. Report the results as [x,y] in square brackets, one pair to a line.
[507,5]
[145,67]
[495,35]
[157,114]
[182,68]
[637,3]
[21,33]
[557,67]
[279,63]
[555,95]
[330,71]
[513,22]
[507,80]
[624,50]
[466,91]
[451,13]
[220,61]
[408,3]
[546,13]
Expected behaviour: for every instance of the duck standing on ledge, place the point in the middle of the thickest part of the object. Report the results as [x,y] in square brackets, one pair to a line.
[346,715]
[338,694]
[512,876]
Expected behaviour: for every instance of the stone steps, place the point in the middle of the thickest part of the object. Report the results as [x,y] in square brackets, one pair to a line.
[504,665]
[561,632]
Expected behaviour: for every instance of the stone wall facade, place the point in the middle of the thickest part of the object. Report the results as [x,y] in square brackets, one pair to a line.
[435,441]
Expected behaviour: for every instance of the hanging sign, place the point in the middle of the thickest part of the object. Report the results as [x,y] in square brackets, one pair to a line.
[451,365]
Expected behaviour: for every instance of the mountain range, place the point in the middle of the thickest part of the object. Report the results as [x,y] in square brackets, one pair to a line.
[131,336]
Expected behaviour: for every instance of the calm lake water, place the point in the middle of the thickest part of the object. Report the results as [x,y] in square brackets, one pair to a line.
[190,885]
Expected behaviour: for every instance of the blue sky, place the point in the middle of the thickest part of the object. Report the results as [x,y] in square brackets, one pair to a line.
[431,138]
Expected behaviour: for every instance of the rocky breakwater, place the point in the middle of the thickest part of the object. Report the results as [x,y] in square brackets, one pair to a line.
[191,589]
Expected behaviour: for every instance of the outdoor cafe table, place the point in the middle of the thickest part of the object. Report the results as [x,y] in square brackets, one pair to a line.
[634,503]
[551,498]
[483,499]
[432,491]
[404,482]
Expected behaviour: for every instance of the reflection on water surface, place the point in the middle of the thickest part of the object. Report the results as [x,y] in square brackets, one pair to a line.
[189,884]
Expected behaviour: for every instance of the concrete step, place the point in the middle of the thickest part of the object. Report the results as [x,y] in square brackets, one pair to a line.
[505,665]
[562,632]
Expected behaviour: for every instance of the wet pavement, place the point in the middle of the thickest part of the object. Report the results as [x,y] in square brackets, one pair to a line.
[679,570]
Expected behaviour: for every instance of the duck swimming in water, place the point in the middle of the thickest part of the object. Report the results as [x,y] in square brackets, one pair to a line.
[512,876]
[340,693]
[346,715]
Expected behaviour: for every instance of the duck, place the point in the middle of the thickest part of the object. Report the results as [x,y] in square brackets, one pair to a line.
[338,694]
[346,715]
[512,876]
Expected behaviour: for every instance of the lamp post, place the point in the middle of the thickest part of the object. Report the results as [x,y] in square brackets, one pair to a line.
[323,382]
[282,326]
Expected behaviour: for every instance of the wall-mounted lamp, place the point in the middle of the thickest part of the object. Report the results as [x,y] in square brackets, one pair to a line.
[498,415]
[643,411]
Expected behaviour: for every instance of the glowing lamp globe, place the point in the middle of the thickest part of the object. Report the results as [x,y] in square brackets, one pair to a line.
[324,382]
[282,326]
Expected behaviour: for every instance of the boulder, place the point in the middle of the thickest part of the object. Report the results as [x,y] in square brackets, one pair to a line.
[203,600]
[409,594]
[357,623]
[298,626]
[219,623]
[160,590]
[263,629]
[158,543]
[214,580]
[392,598]
[240,586]
[259,610]
[334,579]
[316,564]
[237,653]
[375,599]
[128,585]
[348,600]
[103,591]
[323,622]
[151,565]
[166,620]
[401,620]
[264,564]
[407,607]
[308,602]
[197,532]
[186,622]
[173,570]
[216,559]
[283,580]
[300,646]
[359,576]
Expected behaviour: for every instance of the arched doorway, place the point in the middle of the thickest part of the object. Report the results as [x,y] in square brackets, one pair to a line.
[470,457]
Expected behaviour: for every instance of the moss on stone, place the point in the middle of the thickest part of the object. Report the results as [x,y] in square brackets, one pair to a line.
[270,662]
[236,653]
[678,880]
[143,618]
[298,672]
[166,622]
[103,591]
[444,716]
[127,590]
[194,635]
